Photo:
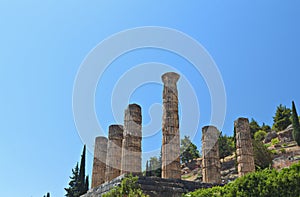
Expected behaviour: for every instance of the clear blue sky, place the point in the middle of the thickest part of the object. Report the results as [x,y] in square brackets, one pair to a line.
[42,44]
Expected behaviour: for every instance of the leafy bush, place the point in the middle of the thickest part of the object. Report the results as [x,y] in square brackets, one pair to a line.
[128,188]
[275,141]
[259,184]
[260,135]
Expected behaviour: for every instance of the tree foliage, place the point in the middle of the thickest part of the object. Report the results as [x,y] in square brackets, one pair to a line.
[260,184]
[226,146]
[262,156]
[153,167]
[282,118]
[127,188]
[47,195]
[254,127]
[296,125]
[188,150]
[260,135]
[79,183]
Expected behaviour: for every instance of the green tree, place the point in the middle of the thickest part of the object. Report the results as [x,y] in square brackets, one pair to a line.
[254,127]
[79,183]
[73,189]
[82,177]
[296,125]
[188,150]
[147,169]
[262,156]
[260,135]
[265,128]
[282,118]
[47,195]
[154,167]
[226,146]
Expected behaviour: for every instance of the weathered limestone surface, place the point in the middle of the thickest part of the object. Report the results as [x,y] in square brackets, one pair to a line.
[210,149]
[114,152]
[170,128]
[153,186]
[132,142]
[245,156]
[99,164]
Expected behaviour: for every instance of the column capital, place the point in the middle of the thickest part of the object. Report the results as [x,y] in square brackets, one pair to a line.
[170,77]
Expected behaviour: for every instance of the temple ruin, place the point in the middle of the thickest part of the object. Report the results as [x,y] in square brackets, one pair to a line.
[244,148]
[121,154]
[210,160]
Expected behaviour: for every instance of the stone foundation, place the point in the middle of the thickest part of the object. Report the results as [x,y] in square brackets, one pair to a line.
[153,186]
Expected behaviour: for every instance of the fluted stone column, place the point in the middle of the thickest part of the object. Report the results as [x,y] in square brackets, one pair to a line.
[132,142]
[99,164]
[170,128]
[114,152]
[244,148]
[210,150]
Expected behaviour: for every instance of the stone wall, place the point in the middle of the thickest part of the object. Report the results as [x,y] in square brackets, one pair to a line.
[153,186]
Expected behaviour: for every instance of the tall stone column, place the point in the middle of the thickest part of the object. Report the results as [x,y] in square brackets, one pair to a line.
[244,148]
[99,164]
[114,152]
[170,128]
[132,142]
[210,150]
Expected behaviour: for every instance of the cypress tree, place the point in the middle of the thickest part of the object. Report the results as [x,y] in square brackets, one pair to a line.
[81,181]
[86,184]
[296,125]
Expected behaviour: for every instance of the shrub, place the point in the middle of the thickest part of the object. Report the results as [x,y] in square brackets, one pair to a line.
[260,135]
[128,188]
[259,184]
[275,141]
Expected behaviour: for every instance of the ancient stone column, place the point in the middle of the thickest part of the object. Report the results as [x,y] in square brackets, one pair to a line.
[170,128]
[132,142]
[99,164]
[244,148]
[114,152]
[210,150]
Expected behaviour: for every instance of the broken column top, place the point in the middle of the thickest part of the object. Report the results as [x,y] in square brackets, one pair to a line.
[134,106]
[170,77]
[115,132]
[100,138]
[241,122]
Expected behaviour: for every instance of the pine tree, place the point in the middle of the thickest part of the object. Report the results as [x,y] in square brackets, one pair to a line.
[73,189]
[79,183]
[296,125]
[188,150]
[282,118]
